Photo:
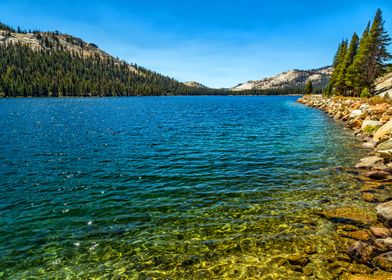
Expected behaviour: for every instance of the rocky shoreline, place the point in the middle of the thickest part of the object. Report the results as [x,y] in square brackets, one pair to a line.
[369,244]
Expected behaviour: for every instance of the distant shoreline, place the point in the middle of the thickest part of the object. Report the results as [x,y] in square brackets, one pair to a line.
[125,96]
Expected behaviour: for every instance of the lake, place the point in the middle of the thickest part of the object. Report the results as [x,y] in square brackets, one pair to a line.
[168,187]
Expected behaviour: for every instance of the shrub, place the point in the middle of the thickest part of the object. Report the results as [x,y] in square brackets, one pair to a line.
[365,93]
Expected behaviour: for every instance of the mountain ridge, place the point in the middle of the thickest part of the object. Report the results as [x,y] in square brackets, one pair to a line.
[289,79]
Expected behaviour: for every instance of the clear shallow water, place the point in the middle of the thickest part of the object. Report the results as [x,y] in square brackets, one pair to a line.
[167,187]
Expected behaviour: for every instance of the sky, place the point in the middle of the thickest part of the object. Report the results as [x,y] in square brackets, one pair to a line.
[217,43]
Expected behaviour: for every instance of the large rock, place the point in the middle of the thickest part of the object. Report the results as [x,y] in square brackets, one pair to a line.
[377,174]
[385,154]
[379,108]
[369,124]
[385,244]
[384,213]
[363,252]
[382,131]
[387,145]
[370,162]
[370,144]
[384,261]
[355,113]
[357,235]
[380,232]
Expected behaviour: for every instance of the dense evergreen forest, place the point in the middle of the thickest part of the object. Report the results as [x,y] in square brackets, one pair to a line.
[52,70]
[359,63]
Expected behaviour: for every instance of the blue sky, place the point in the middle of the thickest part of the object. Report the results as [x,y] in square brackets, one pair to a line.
[218,43]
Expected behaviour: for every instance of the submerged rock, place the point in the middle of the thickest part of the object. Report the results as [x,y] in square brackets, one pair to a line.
[357,235]
[370,162]
[384,244]
[369,197]
[349,215]
[384,261]
[380,232]
[298,259]
[384,213]
[363,252]
[377,174]
[380,276]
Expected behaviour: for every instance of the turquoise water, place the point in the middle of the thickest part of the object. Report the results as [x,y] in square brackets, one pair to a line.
[168,187]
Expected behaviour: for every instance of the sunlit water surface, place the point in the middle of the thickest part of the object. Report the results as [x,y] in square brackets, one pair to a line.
[168,187]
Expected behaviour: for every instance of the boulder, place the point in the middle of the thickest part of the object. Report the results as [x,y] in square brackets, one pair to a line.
[382,131]
[384,261]
[370,124]
[377,174]
[356,105]
[384,213]
[370,162]
[370,144]
[385,154]
[364,107]
[385,244]
[379,108]
[380,232]
[385,117]
[357,235]
[387,145]
[362,252]
[355,113]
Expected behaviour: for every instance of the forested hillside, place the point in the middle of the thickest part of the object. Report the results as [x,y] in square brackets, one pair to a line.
[40,64]
[54,64]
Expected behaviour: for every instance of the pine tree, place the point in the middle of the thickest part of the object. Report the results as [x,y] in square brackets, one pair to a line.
[355,75]
[337,65]
[378,53]
[369,63]
[340,84]
[309,87]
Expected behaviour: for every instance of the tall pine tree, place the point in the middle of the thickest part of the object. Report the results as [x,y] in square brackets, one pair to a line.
[337,66]
[356,71]
[340,84]
[378,53]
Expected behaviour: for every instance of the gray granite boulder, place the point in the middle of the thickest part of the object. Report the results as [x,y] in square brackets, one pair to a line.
[384,213]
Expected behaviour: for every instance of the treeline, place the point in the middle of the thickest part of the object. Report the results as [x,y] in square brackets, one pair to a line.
[359,63]
[55,72]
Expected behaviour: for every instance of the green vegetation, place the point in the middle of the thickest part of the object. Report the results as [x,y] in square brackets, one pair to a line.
[53,70]
[309,87]
[359,64]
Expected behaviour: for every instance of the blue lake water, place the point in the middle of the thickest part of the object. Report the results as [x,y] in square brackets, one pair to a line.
[167,187]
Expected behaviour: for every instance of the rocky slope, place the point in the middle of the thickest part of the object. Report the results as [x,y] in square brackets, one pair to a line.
[384,85]
[194,84]
[371,119]
[290,79]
